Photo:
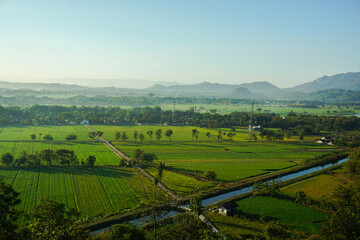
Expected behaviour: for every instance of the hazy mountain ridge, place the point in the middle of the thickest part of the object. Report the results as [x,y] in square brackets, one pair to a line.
[346,81]
[256,90]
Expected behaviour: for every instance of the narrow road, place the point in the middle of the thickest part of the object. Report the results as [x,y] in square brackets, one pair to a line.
[129,161]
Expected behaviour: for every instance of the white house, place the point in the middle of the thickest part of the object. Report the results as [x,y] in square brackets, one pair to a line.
[85,122]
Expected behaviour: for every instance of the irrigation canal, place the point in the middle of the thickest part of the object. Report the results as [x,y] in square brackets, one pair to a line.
[145,220]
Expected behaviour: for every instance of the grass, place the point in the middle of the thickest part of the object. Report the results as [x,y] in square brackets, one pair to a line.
[59,133]
[179,183]
[315,187]
[103,154]
[295,216]
[93,191]
[229,160]
[238,228]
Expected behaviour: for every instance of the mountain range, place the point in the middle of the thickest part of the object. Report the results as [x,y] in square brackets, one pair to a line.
[343,86]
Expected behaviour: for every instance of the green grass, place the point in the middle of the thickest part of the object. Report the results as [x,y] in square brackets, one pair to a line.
[229,160]
[294,215]
[179,183]
[236,227]
[59,133]
[315,187]
[82,150]
[180,133]
[93,191]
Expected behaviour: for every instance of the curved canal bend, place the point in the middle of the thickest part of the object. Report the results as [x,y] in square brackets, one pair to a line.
[208,201]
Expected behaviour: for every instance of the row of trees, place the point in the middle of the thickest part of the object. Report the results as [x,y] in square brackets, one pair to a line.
[48,137]
[40,114]
[47,157]
[136,135]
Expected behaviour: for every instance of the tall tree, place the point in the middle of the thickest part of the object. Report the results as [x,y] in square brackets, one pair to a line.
[141,137]
[158,134]
[7,158]
[150,133]
[168,133]
[135,135]
[124,136]
[9,215]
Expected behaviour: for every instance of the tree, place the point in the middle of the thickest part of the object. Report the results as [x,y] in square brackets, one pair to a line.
[123,231]
[288,134]
[7,159]
[92,135]
[168,133]
[33,136]
[47,155]
[274,230]
[71,137]
[150,133]
[22,159]
[99,133]
[219,136]
[135,135]
[9,215]
[195,134]
[90,161]
[50,220]
[210,175]
[141,137]
[117,135]
[208,135]
[124,136]
[48,137]
[230,135]
[196,205]
[352,166]
[158,134]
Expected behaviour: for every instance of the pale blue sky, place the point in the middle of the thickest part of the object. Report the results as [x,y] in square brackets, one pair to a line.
[284,42]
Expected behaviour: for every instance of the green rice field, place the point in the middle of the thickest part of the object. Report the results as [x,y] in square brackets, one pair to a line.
[230,160]
[93,191]
[315,187]
[59,133]
[103,154]
[180,133]
[295,216]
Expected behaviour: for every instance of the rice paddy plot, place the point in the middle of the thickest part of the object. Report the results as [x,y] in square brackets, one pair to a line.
[229,160]
[315,187]
[93,191]
[59,133]
[295,216]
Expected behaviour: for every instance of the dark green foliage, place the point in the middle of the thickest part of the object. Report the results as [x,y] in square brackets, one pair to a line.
[158,134]
[124,231]
[9,199]
[210,175]
[117,135]
[90,161]
[352,166]
[50,220]
[168,133]
[196,205]
[92,135]
[7,158]
[33,136]
[124,136]
[48,137]
[135,135]
[274,231]
[71,137]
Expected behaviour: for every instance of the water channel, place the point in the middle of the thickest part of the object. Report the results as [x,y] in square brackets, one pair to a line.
[145,220]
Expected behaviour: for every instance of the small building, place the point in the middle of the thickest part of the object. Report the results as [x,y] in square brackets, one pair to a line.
[85,122]
[256,128]
[326,140]
[227,209]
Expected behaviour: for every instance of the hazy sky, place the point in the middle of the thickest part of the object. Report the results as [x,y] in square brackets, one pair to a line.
[284,42]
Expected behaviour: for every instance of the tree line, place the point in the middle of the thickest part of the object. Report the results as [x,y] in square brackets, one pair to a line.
[47,157]
[55,115]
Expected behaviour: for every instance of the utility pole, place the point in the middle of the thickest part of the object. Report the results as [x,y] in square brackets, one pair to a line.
[173,112]
[251,120]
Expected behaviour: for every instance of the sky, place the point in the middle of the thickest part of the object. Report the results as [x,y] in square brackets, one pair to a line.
[134,43]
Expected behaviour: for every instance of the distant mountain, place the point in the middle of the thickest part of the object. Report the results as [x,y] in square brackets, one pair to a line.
[346,81]
[242,92]
[206,87]
[259,87]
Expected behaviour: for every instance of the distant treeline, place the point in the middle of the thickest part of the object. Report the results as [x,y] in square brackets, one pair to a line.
[55,115]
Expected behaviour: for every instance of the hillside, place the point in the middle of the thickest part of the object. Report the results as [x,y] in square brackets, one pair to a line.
[346,81]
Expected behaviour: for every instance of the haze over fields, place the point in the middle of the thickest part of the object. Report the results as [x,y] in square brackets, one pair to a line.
[139,44]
